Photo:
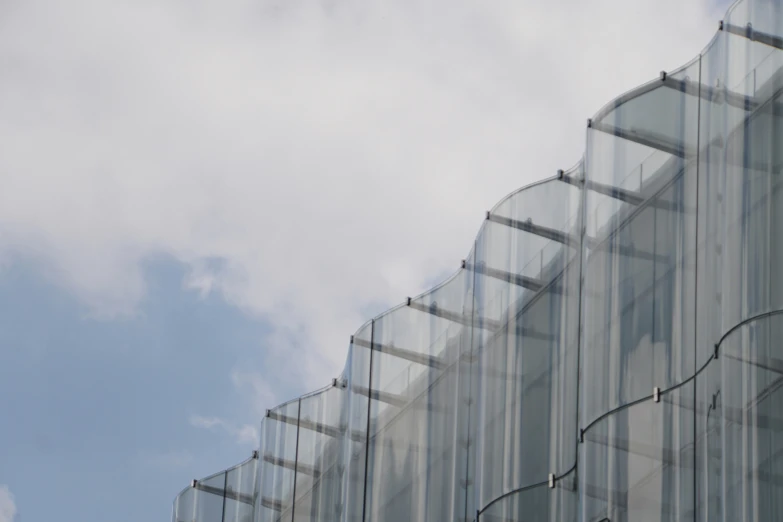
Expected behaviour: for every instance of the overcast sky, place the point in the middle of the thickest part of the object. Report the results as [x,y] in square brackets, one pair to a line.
[200,201]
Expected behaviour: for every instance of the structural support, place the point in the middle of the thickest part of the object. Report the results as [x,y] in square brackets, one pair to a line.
[239,497]
[712,94]
[290,464]
[531,228]
[467,320]
[306,424]
[530,283]
[753,36]
[648,139]
[402,353]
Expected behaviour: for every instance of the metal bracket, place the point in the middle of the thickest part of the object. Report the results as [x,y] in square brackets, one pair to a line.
[551,481]
[560,174]
[487,215]
[193,483]
[717,347]
[463,264]
[656,394]
[589,123]
[255,455]
[408,301]
[581,435]
[720,25]
[663,76]
[268,413]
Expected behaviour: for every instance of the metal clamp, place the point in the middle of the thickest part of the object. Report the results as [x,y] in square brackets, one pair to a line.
[551,481]
[656,394]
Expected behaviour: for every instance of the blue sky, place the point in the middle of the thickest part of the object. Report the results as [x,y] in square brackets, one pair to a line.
[98,412]
[201,201]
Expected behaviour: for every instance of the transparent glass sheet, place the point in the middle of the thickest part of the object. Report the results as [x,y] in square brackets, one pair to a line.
[240,492]
[209,498]
[318,473]
[185,506]
[751,413]
[357,404]
[278,457]
[639,294]
[527,408]
[413,425]
[537,504]
[636,465]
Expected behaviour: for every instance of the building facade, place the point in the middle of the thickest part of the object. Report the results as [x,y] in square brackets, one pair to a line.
[611,349]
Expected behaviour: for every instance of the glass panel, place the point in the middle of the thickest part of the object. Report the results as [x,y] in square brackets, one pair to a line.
[240,492]
[413,422]
[357,405]
[636,465]
[709,444]
[185,506]
[640,225]
[278,454]
[751,410]
[318,479]
[751,65]
[528,357]
[209,498]
[537,504]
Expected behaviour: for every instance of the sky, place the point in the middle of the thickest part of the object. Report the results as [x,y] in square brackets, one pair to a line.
[201,201]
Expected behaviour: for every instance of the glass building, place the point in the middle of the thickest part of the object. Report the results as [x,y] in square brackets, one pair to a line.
[611,348]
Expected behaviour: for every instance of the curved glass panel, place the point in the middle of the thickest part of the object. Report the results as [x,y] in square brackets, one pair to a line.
[278,454]
[356,404]
[413,425]
[709,444]
[318,471]
[527,285]
[640,194]
[240,492]
[745,160]
[541,503]
[751,416]
[185,506]
[636,465]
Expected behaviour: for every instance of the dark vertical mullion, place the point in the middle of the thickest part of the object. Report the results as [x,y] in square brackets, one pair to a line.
[225,487]
[470,380]
[580,297]
[367,434]
[296,457]
[696,303]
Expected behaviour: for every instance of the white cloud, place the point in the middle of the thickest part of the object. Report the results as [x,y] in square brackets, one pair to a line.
[7,504]
[333,154]
[244,434]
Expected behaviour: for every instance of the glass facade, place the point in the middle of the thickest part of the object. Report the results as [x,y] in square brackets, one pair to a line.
[611,349]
